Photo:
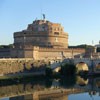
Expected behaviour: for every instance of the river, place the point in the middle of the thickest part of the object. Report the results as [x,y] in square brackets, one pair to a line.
[69,88]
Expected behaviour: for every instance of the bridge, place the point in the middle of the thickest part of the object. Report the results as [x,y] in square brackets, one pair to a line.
[85,64]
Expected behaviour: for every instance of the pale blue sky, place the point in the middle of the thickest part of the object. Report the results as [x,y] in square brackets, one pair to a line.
[80,18]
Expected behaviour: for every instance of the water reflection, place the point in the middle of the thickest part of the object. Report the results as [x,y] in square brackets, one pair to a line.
[81,81]
[25,89]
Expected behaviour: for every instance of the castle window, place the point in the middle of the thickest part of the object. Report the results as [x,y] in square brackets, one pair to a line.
[56,33]
[56,39]
[58,29]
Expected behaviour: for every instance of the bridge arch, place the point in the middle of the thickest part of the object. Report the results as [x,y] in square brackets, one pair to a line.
[97,83]
[97,67]
[57,69]
[81,66]
[81,82]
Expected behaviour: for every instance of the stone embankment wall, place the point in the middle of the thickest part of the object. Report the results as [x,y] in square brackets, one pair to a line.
[11,66]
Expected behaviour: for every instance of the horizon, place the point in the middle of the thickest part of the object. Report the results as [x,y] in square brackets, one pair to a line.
[81,19]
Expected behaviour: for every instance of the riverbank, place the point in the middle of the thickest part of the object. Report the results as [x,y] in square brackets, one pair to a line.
[21,75]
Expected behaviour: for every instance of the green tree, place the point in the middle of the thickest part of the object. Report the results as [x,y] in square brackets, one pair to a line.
[49,71]
[68,69]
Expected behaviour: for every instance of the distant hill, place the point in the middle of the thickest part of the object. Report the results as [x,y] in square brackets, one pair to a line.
[84,46]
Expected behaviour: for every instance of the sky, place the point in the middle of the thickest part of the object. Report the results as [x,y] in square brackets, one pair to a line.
[80,18]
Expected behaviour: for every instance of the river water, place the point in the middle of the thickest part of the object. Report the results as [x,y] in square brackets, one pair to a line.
[78,88]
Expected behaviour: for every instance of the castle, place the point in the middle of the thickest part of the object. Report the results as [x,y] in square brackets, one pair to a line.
[42,40]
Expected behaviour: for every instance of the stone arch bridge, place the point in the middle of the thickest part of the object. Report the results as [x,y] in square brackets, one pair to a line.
[87,64]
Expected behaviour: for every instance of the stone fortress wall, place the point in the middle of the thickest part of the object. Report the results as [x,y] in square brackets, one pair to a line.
[49,53]
[18,66]
[39,53]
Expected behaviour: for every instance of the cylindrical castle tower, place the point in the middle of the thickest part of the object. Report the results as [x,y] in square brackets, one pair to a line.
[42,33]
